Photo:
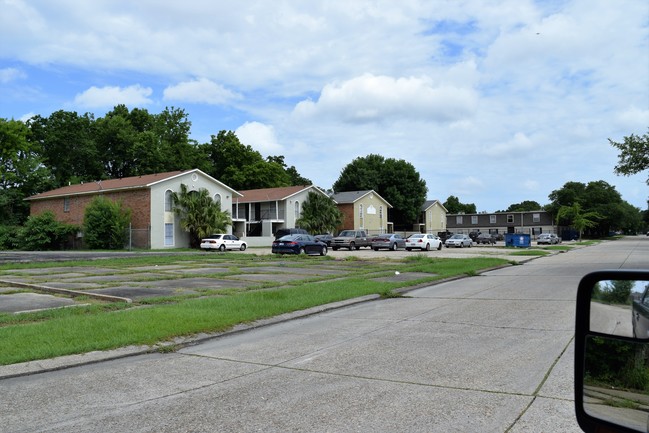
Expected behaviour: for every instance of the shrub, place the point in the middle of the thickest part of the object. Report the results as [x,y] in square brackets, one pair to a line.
[105,224]
[44,232]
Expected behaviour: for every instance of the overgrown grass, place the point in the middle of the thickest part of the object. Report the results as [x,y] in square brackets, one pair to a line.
[530,252]
[65,331]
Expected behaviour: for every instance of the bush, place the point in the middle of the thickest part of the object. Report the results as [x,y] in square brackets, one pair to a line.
[44,232]
[9,237]
[105,224]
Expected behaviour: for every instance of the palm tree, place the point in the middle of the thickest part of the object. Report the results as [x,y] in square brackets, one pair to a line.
[319,214]
[579,220]
[199,214]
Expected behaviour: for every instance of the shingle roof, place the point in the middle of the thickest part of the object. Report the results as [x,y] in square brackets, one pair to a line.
[353,196]
[429,203]
[133,182]
[271,194]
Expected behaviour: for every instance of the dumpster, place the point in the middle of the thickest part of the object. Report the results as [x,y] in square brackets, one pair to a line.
[517,240]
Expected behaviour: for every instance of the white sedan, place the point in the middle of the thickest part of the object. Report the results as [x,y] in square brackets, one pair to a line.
[223,242]
[423,241]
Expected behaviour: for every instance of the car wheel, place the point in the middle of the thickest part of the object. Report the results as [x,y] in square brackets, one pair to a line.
[439,247]
[352,245]
[301,251]
[427,247]
[393,247]
[222,247]
[408,249]
[323,251]
[243,247]
[376,249]
[334,248]
[461,244]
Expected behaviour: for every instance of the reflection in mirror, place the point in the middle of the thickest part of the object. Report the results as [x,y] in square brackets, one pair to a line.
[620,307]
[616,382]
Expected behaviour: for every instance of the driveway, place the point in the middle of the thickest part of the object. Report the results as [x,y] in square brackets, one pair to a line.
[490,353]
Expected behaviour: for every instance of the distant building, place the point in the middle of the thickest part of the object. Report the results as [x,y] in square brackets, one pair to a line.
[532,223]
[364,210]
[433,217]
[149,197]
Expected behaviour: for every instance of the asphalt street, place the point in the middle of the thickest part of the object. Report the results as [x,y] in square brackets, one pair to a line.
[489,353]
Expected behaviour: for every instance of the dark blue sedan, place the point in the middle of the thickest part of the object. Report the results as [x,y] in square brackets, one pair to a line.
[299,244]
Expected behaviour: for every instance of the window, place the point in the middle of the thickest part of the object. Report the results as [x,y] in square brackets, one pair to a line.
[492,219]
[168,200]
[474,219]
[536,217]
[66,204]
[217,199]
[510,218]
[297,209]
[169,234]
[360,215]
[458,219]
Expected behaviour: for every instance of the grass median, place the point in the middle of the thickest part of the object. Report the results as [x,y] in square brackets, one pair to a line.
[104,326]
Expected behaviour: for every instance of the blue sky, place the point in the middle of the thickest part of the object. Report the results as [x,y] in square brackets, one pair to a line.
[493,102]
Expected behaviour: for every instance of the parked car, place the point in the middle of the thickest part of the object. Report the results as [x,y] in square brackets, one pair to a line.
[351,239]
[390,241]
[485,238]
[474,236]
[458,240]
[326,238]
[423,241]
[299,244]
[548,238]
[289,231]
[222,242]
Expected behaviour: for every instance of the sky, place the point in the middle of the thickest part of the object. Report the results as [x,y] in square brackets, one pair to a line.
[494,102]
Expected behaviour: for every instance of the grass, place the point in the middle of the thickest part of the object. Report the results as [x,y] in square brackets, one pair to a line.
[530,252]
[65,331]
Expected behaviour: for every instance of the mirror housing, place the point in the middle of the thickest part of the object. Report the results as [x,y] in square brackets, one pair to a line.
[612,351]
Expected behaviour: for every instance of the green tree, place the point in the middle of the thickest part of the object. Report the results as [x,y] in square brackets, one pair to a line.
[634,155]
[66,142]
[319,214]
[396,181]
[199,214]
[578,219]
[44,232]
[454,206]
[240,166]
[524,206]
[22,173]
[598,197]
[105,224]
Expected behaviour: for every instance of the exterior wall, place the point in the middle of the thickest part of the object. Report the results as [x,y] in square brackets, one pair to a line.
[435,219]
[347,209]
[533,223]
[374,216]
[158,216]
[289,205]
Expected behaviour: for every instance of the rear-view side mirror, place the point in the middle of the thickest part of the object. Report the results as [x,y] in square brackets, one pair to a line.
[612,351]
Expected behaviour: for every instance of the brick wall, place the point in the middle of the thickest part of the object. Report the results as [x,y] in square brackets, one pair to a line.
[138,200]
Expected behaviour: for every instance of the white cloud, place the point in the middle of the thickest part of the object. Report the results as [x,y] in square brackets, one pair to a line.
[518,146]
[260,137]
[371,98]
[8,75]
[109,96]
[200,91]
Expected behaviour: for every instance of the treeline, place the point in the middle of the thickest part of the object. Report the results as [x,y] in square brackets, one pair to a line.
[65,148]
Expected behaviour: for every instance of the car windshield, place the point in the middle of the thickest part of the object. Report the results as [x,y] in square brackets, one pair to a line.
[416,236]
[347,233]
[214,237]
[457,237]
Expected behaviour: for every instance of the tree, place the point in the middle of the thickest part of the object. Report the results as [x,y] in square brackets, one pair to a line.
[597,197]
[524,206]
[242,167]
[22,173]
[319,214]
[454,206]
[578,219]
[396,181]
[105,224]
[199,214]
[634,155]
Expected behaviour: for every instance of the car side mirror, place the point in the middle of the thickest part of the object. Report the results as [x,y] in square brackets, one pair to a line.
[612,351]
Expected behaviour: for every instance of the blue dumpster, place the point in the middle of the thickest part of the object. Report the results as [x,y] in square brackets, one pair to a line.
[519,240]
